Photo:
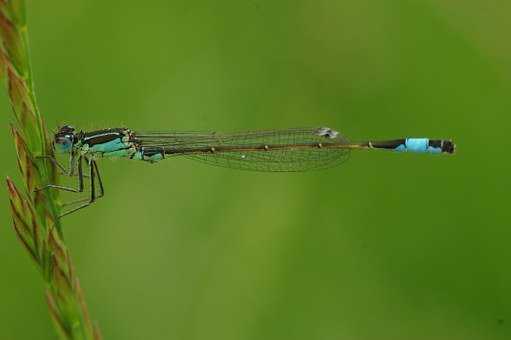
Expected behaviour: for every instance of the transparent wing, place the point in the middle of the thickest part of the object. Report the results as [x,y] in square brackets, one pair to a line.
[277,150]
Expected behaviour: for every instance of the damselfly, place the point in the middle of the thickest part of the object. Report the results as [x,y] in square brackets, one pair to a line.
[271,150]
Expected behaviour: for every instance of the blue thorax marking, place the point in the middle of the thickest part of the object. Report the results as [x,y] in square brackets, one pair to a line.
[113,145]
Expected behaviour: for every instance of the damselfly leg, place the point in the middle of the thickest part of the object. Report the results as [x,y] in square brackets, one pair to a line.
[56,163]
[69,171]
[93,176]
[69,189]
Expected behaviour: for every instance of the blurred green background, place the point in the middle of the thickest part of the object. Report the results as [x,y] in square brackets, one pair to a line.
[389,246]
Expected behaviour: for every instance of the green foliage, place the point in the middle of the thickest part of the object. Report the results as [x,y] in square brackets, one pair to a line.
[34,212]
[388,246]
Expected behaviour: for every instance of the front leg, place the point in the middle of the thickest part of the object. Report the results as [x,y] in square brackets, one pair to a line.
[55,162]
[69,189]
[63,171]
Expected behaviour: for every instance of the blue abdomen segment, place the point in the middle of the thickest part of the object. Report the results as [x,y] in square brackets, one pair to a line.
[419,145]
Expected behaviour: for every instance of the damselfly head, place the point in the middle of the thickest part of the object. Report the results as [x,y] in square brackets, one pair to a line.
[64,138]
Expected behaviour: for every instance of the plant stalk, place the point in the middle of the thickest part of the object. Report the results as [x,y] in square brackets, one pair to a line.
[35,213]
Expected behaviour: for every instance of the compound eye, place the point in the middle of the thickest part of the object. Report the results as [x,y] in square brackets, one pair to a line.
[62,139]
[64,143]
